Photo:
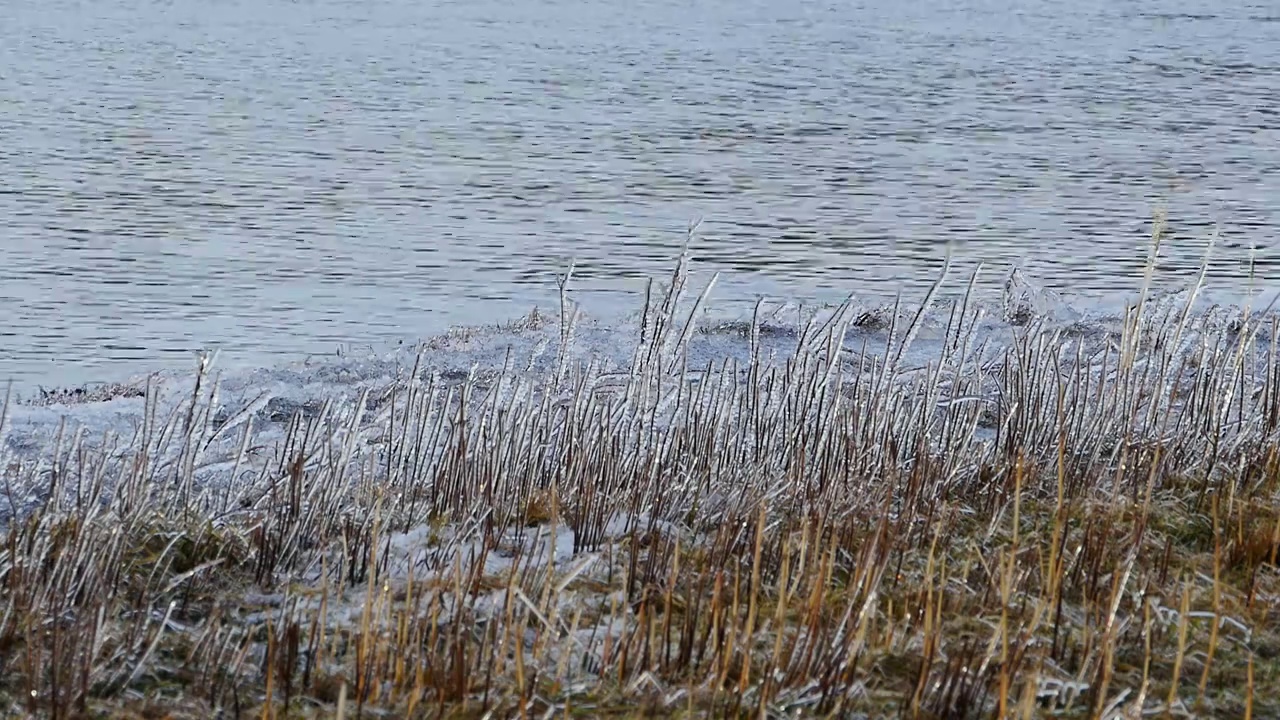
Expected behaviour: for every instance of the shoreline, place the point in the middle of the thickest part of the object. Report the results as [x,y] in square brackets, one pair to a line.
[922,511]
[29,376]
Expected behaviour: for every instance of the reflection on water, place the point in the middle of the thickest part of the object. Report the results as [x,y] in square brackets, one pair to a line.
[276,178]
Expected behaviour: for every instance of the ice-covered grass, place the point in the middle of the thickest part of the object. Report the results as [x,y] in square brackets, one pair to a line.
[950,511]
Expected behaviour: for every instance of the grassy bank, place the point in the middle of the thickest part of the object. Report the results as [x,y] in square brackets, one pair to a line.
[1075,524]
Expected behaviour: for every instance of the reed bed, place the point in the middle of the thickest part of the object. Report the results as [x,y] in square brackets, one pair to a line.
[1072,525]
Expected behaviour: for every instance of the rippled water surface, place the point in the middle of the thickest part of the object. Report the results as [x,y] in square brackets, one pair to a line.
[276,178]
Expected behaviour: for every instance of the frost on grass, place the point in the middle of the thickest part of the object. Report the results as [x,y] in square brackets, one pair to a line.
[948,509]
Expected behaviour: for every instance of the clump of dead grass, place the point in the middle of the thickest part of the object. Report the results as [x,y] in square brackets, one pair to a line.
[1065,529]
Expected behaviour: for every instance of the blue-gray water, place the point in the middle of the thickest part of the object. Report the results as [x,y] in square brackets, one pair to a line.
[276,178]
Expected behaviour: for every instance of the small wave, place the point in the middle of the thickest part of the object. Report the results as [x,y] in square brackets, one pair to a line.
[1196,17]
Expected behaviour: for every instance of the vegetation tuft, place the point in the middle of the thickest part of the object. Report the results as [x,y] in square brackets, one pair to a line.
[1066,527]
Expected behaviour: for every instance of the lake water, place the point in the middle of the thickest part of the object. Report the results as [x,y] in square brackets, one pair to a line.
[278,178]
